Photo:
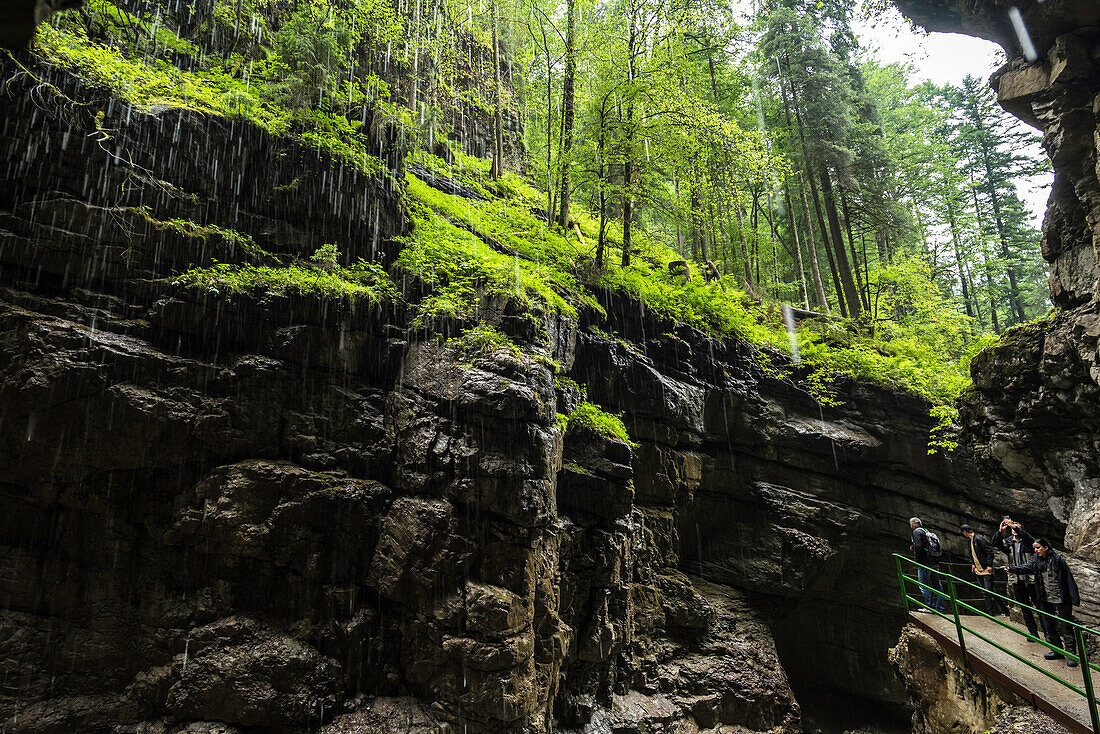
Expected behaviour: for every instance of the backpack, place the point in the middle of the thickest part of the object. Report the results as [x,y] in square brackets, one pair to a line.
[934,548]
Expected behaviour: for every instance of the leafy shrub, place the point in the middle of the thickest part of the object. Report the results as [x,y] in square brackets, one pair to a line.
[594,418]
[326,257]
[483,340]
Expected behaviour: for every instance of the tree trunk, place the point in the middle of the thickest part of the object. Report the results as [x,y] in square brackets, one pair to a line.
[679,227]
[797,246]
[739,210]
[990,288]
[811,247]
[851,295]
[628,167]
[567,110]
[863,292]
[600,144]
[415,75]
[959,258]
[998,220]
[497,169]
[628,208]
[817,209]
[754,220]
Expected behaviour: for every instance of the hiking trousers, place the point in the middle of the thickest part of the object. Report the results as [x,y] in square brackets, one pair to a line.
[993,605]
[1021,592]
[1059,633]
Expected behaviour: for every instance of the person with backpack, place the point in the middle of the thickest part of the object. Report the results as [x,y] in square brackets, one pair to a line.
[1017,544]
[1056,595]
[981,563]
[927,551]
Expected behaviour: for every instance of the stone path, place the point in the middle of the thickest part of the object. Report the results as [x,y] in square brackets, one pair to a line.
[1068,708]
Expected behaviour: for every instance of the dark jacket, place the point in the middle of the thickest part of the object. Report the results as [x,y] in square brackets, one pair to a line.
[983,549]
[1018,553]
[1052,568]
[921,553]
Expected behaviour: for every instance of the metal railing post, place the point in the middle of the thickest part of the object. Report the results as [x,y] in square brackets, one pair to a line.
[1086,673]
[901,580]
[958,622]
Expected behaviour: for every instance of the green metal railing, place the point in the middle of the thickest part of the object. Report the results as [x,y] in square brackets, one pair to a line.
[956,616]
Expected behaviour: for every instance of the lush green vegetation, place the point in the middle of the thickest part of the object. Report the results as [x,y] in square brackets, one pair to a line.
[306,89]
[921,344]
[363,281]
[187,228]
[710,169]
[594,418]
[483,340]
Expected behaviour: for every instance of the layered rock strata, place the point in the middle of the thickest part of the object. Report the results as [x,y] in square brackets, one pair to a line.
[277,513]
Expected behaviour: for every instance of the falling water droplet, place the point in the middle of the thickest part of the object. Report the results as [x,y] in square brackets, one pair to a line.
[1020,27]
[792,334]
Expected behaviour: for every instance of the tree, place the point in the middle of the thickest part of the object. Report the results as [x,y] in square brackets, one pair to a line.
[567,109]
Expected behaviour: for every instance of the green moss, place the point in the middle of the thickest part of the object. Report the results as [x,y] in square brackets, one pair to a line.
[568,384]
[577,469]
[548,363]
[594,418]
[235,239]
[539,266]
[462,268]
[362,281]
[1023,337]
[483,340]
[135,66]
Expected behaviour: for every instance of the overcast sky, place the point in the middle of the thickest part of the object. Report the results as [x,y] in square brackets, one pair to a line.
[945,58]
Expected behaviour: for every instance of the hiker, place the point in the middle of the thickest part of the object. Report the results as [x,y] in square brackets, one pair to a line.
[926,551]
[1016,543]
[1055,593]
[981,563]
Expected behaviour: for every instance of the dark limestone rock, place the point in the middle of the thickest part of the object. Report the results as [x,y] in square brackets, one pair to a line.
[283,513]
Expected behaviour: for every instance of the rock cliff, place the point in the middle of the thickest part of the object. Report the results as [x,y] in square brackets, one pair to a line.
[253,512]
[276,513]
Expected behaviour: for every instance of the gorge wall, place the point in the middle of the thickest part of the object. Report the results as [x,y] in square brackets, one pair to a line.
[255,512]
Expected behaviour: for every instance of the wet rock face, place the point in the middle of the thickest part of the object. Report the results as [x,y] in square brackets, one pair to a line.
[273,513]
[949,697]
[1045,20]
[277,513]
[799,505]
[19,18]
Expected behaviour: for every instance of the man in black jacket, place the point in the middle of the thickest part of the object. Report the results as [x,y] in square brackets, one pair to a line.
[1016,543]
[922,554]
[1055,592]
[981,563]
